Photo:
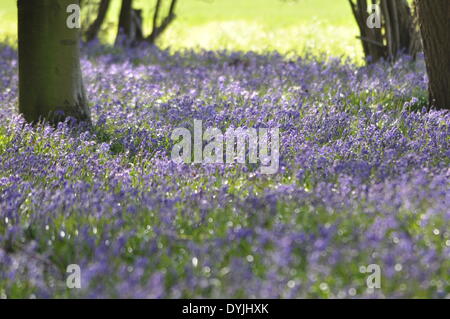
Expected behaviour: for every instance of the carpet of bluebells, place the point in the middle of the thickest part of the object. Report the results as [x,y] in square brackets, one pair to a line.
[363,179]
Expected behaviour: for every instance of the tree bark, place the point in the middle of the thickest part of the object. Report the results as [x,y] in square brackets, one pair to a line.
[434,20]
[130,31]
[50,80]
[371,39]
[125,34]
[396,35]
[94,28]
[158,30]
[156,14]
[138,22]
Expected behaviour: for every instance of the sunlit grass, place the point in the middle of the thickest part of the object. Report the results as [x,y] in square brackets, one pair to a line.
[286,26]
[244,36]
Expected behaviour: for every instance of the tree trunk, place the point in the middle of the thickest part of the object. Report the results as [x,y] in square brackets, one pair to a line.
[138,22]
[396,34]
[125,34]
[94,28]
[434,20]
[130,31]
[371,38]
[157,30]
[50,81]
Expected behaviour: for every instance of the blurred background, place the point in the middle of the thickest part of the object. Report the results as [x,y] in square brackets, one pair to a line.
[287,26]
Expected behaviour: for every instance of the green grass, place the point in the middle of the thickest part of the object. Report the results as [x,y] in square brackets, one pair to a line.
[8,19]
[258,25]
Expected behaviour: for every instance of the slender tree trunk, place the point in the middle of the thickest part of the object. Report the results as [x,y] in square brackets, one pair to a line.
[396,34]
[50,81]
[371,38]
[94,28]
[125,28]
[156,14]
[152,37]
[434,20]
[130,31]
[138,22]
[157,30]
